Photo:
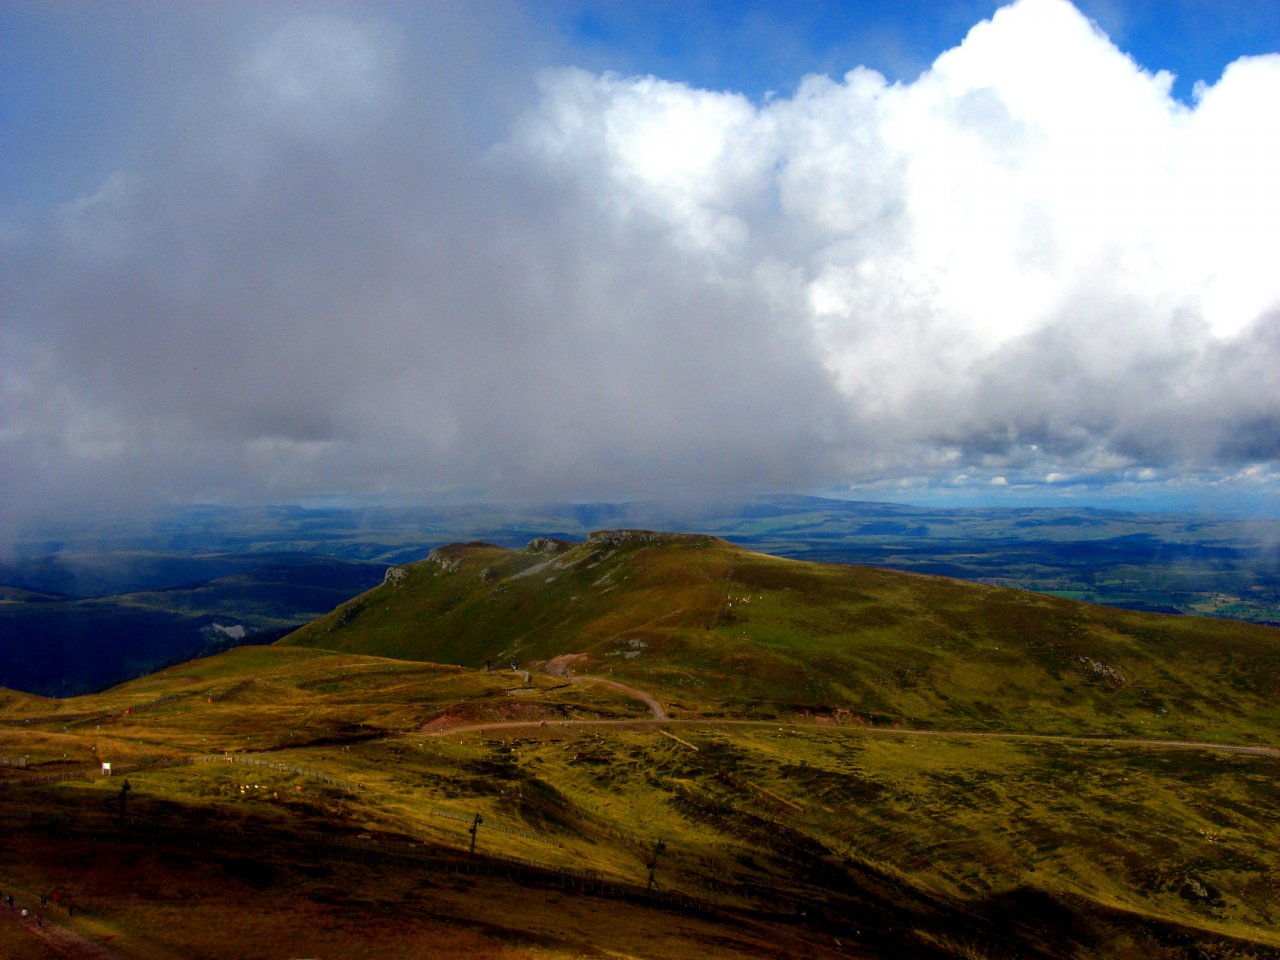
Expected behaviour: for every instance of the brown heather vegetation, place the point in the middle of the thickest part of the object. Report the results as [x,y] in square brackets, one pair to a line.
[859,764]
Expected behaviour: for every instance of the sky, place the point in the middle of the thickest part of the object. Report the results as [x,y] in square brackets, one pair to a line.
[936,252]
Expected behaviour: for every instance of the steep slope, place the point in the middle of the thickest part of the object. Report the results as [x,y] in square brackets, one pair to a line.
[716,629]
[310,803]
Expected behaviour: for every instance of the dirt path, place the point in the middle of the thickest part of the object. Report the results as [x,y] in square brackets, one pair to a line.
[60,941]
[1096,741]
[656,709]
[658,715]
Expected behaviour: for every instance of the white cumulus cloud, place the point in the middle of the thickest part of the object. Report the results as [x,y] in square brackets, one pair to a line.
[361,263]
[1031,244]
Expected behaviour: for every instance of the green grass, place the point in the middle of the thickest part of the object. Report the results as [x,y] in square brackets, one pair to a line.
[795,818]
[719,630]
[1110,845]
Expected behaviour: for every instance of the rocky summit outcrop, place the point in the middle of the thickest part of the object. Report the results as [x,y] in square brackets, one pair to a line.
[617,538]
[548,545]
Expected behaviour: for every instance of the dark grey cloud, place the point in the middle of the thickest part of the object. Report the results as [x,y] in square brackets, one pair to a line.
[380,250]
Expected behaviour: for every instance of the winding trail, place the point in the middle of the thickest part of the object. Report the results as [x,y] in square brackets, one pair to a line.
[660,717]
[656,710]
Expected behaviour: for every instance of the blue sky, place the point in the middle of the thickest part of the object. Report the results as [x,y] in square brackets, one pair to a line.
[756,47]
[965,252]
[68,74]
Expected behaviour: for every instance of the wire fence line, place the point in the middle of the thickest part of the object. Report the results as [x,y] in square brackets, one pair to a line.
[43,778]
[93,716]
[512,867]
[488,864]
[65,719]
[92,773]
[432,859]
[443,813]
[578,879]
[282,767]
[231,691]
[499,827]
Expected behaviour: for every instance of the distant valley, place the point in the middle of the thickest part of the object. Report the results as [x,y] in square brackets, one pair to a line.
[79,623]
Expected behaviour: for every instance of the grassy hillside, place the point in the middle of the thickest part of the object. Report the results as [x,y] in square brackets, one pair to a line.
[716,630]
[1226,566]
[325,807]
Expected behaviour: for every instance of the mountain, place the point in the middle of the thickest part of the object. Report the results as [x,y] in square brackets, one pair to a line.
[704,752]
[716,629]
[1205,565]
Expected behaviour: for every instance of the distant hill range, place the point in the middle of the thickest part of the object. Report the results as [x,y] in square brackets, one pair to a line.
[95,606]
[701,750]
[713,628]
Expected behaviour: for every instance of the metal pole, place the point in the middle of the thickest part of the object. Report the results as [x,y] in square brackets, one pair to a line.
[657,849]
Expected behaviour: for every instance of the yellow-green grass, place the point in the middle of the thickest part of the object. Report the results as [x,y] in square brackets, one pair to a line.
[717,630]
[269,698]
[160,903]
[363,776]
[915,840]
[765,820]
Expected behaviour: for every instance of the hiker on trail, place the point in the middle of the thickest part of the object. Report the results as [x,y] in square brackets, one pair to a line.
[44,900]
[10,901]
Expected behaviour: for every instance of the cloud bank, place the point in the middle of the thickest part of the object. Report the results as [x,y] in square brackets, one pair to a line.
[369,256]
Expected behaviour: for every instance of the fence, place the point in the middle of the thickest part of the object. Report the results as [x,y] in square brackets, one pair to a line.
[348,785]
[520,869]
[63,718]
[434,858]
[19,762]
[45,778]
[498,827]
[283,767]
[96,716]
[230,692]
[90,773]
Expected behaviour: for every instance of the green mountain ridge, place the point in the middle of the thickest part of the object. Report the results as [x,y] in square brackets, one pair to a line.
[717,630]
[328,796]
